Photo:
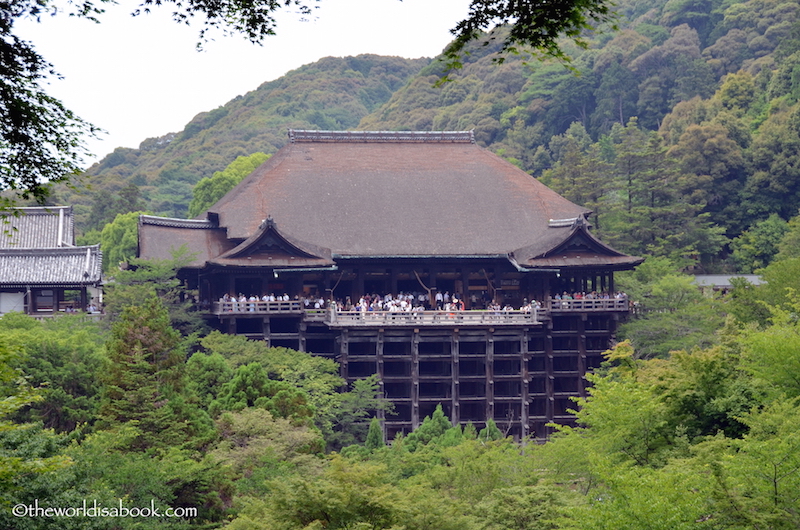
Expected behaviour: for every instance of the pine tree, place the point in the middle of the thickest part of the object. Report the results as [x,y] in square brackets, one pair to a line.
[374,436]
[144,384]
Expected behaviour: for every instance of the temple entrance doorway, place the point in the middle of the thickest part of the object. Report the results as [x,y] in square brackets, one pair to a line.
[248,286]
[375,286]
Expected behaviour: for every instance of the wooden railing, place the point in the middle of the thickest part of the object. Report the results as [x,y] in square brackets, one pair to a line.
[431,318]
[222,308]
[476,317]
[589,304]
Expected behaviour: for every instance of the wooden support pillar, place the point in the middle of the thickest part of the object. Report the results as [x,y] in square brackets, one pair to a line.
[379,369]
[358,285]
[415,419]
[524,412]
[265,330]
[490,374]
[454,378]
[582,355]
[301,342]
[344,348]
[464,294]
[548,367]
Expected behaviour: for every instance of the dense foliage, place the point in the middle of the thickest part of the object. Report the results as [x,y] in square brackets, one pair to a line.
[681,134]
[703,437]
[41,141]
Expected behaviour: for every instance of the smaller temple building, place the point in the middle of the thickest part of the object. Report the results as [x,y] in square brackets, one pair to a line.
[421,257]
[42,272]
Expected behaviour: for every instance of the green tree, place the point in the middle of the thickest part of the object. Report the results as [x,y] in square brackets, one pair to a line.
[316,376]
[773,185]
[754,303]
[350,419]
[16,460]
[673,315]
[431,429]
[771,355]
[105,207]
[41,141]
[144,383]
[257,447]
[206,373]
[374,439]
[756,477]
[211,189]
[757,247]
[251,386]
[347,495]
[642,434]
[537,507]
[716,164]
[143,279]
[107,470]
[64,357]
[706,391]
[789,245]
[630,498]
[537,26]
[119,240]
[649,215]
[616,98]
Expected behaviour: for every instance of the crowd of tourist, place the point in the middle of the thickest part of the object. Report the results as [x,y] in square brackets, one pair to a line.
[594,295]
[251,303]
[401,302]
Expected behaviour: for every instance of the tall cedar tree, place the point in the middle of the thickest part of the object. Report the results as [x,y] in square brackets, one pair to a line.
[144,383]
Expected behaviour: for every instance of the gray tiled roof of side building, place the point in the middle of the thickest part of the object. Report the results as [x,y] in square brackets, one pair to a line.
[38,227]
[64,266]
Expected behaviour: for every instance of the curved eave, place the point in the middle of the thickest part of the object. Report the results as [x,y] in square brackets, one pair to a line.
[585,261]
[303,251]
[562,253]
[419,256]
[50,285]
[582,229]
[298,264]
[173,222]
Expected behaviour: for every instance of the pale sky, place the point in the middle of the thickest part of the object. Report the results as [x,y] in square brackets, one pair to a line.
[141,77]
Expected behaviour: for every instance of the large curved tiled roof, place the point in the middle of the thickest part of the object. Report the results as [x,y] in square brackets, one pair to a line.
[381,194]
[396,194]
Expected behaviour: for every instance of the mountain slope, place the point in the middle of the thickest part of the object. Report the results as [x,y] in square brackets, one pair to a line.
[333,93]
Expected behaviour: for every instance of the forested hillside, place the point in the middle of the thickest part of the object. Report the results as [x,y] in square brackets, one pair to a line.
[678,130]
[333,93]
[682,124]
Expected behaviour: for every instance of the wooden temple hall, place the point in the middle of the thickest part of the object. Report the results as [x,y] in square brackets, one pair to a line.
[295,253]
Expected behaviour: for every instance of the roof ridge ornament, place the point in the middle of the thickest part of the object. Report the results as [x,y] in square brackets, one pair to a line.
[409,137]
[561,223]
[267,223]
